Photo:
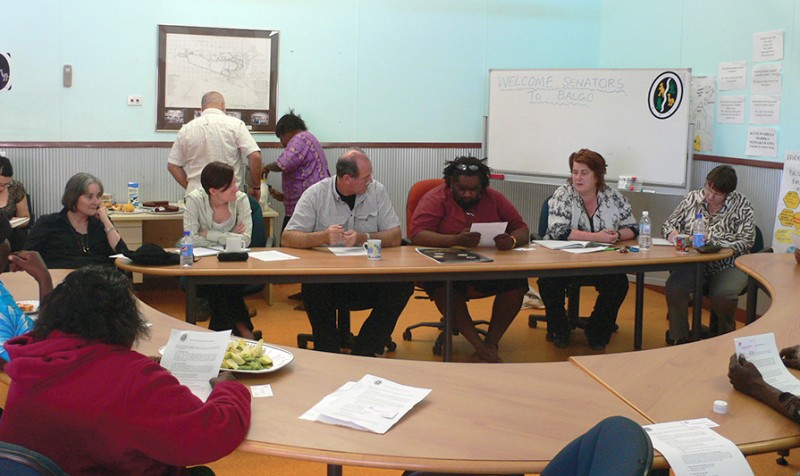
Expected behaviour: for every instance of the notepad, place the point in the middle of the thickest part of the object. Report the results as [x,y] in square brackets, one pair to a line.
[569,244]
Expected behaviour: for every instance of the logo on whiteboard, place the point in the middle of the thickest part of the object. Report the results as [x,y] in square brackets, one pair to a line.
[5,71]
[666,94]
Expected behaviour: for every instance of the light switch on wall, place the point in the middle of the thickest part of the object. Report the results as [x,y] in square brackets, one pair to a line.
[67,75]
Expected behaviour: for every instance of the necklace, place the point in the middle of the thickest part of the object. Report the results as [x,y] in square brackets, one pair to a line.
[83,242]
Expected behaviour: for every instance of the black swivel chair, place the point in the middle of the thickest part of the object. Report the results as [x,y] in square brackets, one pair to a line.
[20,461]
[616,446]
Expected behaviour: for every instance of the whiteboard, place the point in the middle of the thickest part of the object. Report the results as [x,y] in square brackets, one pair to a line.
[638,119]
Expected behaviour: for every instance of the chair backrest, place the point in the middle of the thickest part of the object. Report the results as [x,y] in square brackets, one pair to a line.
[617,446]
[20,461]
[415,194]
[758,244]
[259,234]
[544,214]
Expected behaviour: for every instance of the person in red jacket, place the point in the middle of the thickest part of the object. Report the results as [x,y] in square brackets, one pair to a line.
[82,397]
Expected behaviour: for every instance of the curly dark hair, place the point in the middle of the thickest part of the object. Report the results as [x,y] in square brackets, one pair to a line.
[468,166]
[288,123]
[94,302]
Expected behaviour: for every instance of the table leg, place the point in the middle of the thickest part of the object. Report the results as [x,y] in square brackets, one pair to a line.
[697,307]
[191,298]
[638,312]
[447,327]
[752,300]
[334,470]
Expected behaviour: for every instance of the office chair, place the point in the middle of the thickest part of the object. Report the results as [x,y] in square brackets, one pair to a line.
[20,461]
[573,290]
[616,446]
[415,194]
[258,239]
[758,247]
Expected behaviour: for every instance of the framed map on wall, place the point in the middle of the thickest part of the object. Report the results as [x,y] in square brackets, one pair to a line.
[242,65]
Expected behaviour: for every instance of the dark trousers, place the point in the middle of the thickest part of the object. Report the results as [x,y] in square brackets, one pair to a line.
[611,289]
[227,306]
[387,301]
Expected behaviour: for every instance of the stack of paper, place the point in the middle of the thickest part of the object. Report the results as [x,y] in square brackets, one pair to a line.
[371,404]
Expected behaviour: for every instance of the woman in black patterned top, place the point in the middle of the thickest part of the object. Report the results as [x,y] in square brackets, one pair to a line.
[729,222]
[587,209]
[13,202]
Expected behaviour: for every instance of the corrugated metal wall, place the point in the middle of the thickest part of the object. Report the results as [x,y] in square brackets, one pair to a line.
[45,171]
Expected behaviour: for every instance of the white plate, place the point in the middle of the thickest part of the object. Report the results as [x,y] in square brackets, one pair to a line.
[35,304]
[153,212]
[111,211]
[280,357]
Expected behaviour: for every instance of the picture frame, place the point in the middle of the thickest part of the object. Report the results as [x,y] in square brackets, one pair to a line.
[240,64]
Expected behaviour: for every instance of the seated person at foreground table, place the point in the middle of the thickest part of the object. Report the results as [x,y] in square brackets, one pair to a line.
[443,218]
[585,208]
[745,377]
[348,210]
[13,203]
[81,233]
[729,223]
[82,397]
[214,214]
[14,322]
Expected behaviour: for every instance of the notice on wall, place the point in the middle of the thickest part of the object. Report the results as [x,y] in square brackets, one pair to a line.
[762,141]
[787,220]
[765,109]
[731,110]
[766,79]
[732,75]
[768,46]
[702,98]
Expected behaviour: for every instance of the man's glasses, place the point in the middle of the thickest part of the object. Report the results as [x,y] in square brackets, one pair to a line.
[465,167]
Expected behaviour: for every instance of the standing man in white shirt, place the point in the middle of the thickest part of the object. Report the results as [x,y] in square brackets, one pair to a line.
[214,136]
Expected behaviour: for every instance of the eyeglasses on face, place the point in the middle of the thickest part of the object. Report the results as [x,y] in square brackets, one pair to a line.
[465,167]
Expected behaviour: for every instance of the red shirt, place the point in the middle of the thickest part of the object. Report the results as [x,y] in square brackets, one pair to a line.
[437,211]
[95,408]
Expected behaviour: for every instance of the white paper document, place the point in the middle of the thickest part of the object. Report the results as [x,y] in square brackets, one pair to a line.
[692,448]
[194,358]
[762,352]
[573,246]
[200,252]
[662,242]
[372,404]
[488,231]
[271,255]
[348,250]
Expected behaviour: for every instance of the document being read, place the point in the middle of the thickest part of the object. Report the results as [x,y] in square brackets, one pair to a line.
[488,231]
[373,404]
[762,352]
[194,358]
[692,448]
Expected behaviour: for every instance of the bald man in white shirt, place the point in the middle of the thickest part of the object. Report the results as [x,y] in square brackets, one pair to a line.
[214,136]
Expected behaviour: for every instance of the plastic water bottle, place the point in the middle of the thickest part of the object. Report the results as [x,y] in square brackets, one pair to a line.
[698,231]
[187,249]
[645,240]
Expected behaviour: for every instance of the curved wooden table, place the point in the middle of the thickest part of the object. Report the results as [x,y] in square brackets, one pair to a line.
[404,263]
[682,382]
[483,418]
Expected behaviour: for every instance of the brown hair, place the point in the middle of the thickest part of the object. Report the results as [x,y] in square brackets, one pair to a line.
[216,175]
[594,161]
[722,178]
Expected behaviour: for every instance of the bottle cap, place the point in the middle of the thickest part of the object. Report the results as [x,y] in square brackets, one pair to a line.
[721,407]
